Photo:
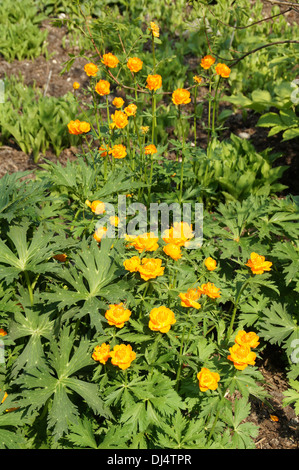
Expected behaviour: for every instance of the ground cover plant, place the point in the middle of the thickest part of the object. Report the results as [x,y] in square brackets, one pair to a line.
[119,331]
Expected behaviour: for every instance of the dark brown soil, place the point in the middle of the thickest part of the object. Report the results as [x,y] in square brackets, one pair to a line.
[284,432]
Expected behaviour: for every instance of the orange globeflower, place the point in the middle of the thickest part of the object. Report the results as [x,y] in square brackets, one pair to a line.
[122,356]
[210,264]
[181,96]
[179,234]
[100,233]
[98,207]
[154,82]
[250,339]
[132,264]
[110,60]
[131,109]
[161,319]
[61,257]
[101,353]
[134,64]
[208,380]
[257,264]
[91,69]
[114,220]
[210,290]
[76,85]
[102,87]
[197,79]
[172,250]
[118,102]
[117,315]
[2,332]
[150,268]
[119,119]
[222,70]
[207,62]
[78,127]
[154,29]
[189,298]
[241,356]
[150,149]
[118,151]
[145,242]
[104,151]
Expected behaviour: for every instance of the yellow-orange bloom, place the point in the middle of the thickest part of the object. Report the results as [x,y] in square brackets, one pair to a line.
[241,356]
[118,151]
[76,85]
[122,356]
[250,339]
[210,290]
[161,319]
[189,299]
[110,60]
[145,242]
[172,250]
[179,234]
[207,62]
[181,96]
[210,264]
[153,82]
[154,29]
[197,79]
[131,109]
[104,151]
[150,149]
[114,220]
[132,264]
[257,264]
[119,119]
[150,268]
[91,69]
[134,64]
[222,70]
[118,102]
[102,87]
[117,315]
[101,353]
[2,332]
[98,207]
[144,129]
[100,233]
[208,380]
[78,127]
[61,257]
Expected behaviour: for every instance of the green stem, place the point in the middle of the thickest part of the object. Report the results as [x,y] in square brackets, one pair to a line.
[216,417]
[209,110]
[215,105]
[183,156]
[108,115]
[230,329]
[30,291]
[195,109]
[154,117]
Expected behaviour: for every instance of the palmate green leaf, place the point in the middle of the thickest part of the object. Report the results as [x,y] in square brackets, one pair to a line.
[11,436]
[243,433]
[278,326]
[81,434]
[291,395]
[181,433]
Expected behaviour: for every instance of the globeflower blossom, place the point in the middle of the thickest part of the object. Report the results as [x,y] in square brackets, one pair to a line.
[101,353]
[134,64]
[207,62]
[161,319]
[153,82]
[181,96]
[257,264]
[110,60]
[117,315]
[91,69]
[207,379]
[122,356]
[102,87]
[222,70]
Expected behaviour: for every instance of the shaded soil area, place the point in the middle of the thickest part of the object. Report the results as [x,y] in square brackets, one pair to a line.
[282,433]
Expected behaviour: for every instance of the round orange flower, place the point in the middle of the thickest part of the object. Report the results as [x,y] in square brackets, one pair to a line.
[104,151]
[110,60]
[222,70]
[118,151]
[210,290]
[2,332]
[114,220]
[197,79]
[98,207]
[179,234]
[102,87]
[132,264]
[119,119]
[154,29]
[145,242]
[189,298]
[154,82]
[134,64]
[100,233]
[76,85]
[172,250]
[101,353]
[161,319]
[257,264]
[122,356]
[250,339]
[207,62]
[118,102]
[91,69]
[150,268]
[131,109]
[181,96]
[78,127]
[117,315]
[150,149]
[62,257]
[210,264]
[208,380]
[241,356]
